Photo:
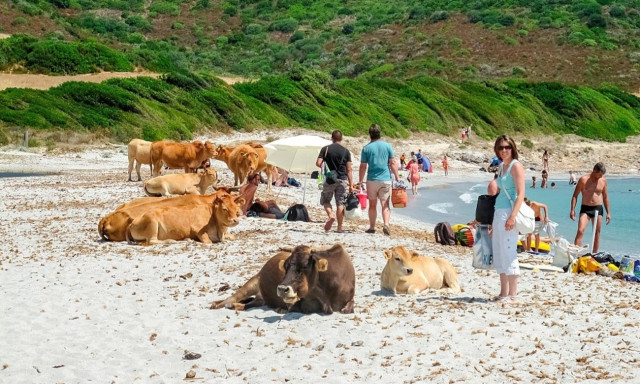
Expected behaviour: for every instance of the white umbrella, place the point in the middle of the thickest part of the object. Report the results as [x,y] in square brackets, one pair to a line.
[296,154]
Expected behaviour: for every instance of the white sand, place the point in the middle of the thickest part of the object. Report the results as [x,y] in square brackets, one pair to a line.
[74,309]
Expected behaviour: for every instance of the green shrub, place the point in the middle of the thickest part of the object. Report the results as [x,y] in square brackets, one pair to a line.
[589,43]
[438,16]
[177,25]
[527,143]
[596,21]
[348,29]
[19,21]
[284,25]
[165,7]
[417,13]
[522,32]
[618,12]
[253,29]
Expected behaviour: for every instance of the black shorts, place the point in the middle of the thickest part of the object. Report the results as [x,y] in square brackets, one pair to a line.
[591,209]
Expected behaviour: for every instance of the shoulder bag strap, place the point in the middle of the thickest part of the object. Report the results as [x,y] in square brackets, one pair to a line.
[509,170]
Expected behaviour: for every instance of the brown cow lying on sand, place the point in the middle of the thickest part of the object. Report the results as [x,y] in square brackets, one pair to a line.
[188,156]
[207,223]
[113,226]
[140,152]
[308,281]
[181,183]
[408,272]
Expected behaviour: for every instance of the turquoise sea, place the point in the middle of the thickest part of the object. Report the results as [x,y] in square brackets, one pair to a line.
[456,203]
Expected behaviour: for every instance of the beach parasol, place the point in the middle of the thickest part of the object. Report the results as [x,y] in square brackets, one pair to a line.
[297,154]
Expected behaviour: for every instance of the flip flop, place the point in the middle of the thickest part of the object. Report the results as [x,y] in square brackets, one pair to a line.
[386,230]
[329,223]
[370,231]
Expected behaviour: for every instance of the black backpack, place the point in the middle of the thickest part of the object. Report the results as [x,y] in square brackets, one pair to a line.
[297,212]
[444,234]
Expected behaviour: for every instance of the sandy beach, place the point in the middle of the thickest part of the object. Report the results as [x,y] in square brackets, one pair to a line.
[75,309]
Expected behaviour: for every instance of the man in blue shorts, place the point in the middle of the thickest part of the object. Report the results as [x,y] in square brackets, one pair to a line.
[378,163]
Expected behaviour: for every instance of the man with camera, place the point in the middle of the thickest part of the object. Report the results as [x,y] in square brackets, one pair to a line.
[334,161]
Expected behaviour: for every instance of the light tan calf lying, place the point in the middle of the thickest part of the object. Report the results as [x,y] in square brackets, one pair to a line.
[181,183]
[408,272]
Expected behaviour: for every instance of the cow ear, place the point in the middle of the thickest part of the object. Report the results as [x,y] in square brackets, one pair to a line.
[281,265]
[239,200]
[387,254]
[322,265]
[414,254]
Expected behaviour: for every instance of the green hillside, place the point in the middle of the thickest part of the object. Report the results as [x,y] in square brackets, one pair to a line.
[180,104]
[538,66]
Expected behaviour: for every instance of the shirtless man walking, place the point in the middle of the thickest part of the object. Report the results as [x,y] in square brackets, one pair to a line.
[594,193]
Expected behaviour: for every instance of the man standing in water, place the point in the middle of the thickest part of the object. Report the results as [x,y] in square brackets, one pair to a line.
[594,193]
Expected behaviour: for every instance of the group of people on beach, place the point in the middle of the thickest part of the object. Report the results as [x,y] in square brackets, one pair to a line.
[379,167]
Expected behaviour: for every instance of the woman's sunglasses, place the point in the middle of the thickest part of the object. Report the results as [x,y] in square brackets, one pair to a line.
[503,147]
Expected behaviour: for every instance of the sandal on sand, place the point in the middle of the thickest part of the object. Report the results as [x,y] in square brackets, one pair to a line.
[498,298]
[329,223]
[370,230]
[386,230]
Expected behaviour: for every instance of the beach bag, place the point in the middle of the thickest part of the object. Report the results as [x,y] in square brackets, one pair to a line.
[482,249]
[444,234]
[351,201]
[353,214]
[330,177]
[485,207]
[585,264]
[399,197]
[297,212]
[525,219]
[464,237]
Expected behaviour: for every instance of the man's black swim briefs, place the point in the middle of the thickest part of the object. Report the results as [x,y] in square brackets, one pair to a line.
[590,210]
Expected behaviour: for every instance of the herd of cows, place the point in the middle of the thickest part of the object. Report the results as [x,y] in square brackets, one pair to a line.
[302,279]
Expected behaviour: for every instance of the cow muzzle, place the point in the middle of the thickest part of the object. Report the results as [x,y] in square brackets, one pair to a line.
[408,271]
[287,294]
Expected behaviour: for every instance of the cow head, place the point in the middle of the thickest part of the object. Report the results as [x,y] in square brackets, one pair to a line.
[222,153]
[399,260]
[210,149]
[301,273]
[209,176]
[227,209]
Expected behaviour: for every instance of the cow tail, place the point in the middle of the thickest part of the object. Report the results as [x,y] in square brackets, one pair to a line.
[251,288]
[101,226]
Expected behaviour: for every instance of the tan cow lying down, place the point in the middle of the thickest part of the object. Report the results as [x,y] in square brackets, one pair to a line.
[408,272]
[140,152]
[181,184]
[113,226]
[202,222]
[188,156]
[306,280]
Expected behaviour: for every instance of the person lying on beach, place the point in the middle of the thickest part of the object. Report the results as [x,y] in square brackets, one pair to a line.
[267,209]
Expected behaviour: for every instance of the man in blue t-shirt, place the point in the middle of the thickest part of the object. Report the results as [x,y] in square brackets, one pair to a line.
[376,160]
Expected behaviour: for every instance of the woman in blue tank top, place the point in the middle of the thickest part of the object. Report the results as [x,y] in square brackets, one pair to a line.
[505,235]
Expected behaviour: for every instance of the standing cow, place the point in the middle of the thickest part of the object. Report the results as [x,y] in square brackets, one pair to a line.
[243,161]
[140,152]
[188,156]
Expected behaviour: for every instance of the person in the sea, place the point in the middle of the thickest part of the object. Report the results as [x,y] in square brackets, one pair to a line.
[533,181]
[545,176]
[505,234]
[572,178]
[553,185]
[541,221]
[593,188]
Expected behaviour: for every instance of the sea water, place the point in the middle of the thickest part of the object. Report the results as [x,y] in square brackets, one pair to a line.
[456,203]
